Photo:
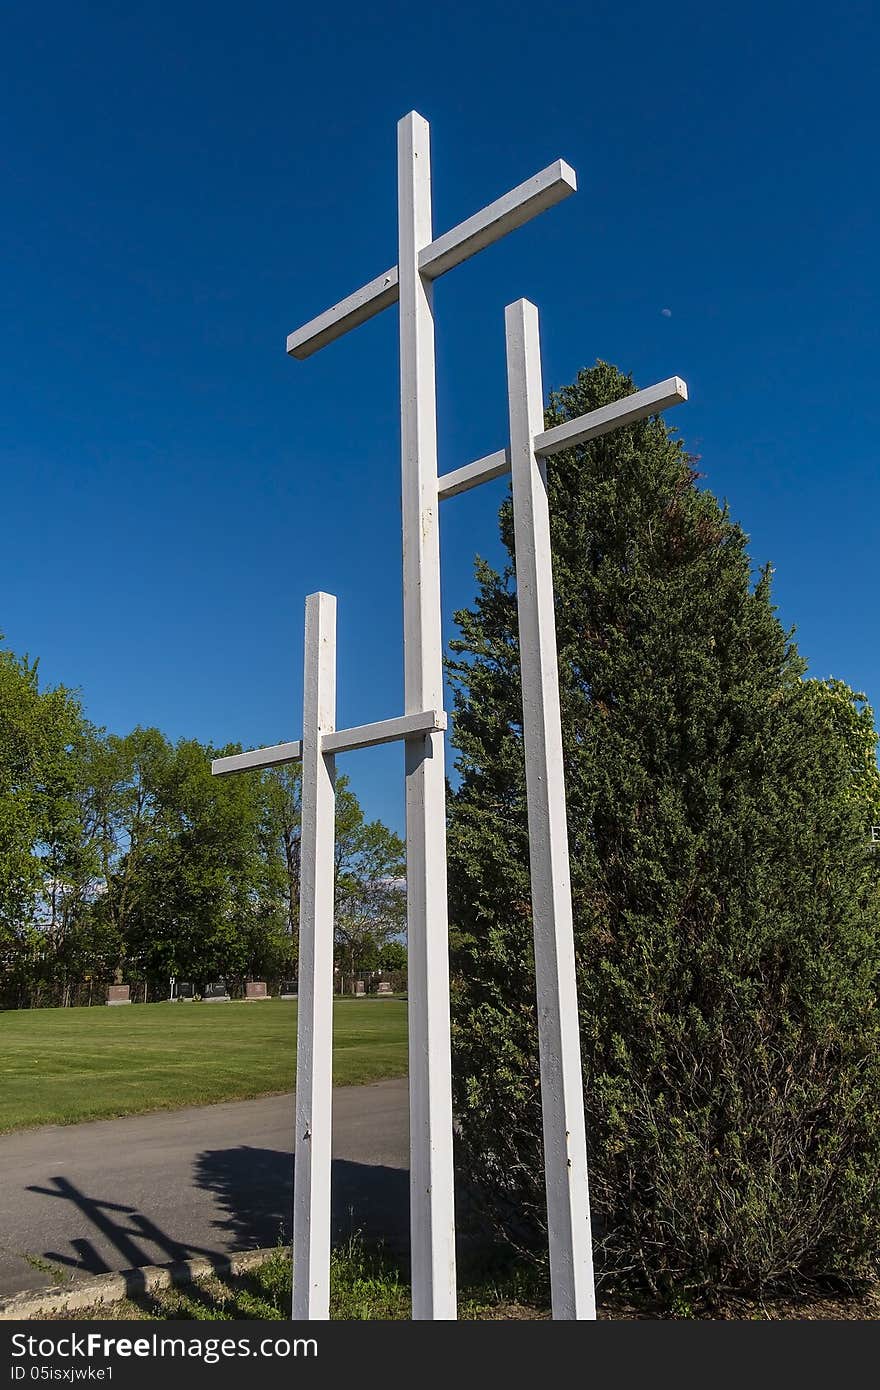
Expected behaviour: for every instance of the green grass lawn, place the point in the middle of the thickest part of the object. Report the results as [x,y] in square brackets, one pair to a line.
[58,1066]
[365,1285]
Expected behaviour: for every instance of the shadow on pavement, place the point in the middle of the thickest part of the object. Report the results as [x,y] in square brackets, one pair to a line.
[252,1190]
[123,1227]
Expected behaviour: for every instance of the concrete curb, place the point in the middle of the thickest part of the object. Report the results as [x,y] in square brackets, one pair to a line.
[111,1288]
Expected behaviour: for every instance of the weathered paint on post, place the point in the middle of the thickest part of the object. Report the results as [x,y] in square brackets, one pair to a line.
[314,1035]
[432,1214]
[562,1095]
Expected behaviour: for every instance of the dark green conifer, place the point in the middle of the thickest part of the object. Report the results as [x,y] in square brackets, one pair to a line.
[725,892]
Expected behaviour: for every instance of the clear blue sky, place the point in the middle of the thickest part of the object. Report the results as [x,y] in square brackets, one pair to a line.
[184,184]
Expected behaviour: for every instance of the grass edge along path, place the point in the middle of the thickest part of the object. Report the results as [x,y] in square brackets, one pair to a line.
[370,1285]
[366,1284]
[63,1066]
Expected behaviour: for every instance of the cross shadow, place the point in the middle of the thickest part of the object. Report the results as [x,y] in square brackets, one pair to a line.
[253,1193]
[254,1190]
[128,1235]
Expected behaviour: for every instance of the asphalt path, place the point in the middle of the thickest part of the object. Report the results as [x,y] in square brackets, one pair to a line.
[151,1189]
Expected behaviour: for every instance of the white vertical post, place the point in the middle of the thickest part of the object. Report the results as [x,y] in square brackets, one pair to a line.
[432,1220]
[562,1098]
[314,1040]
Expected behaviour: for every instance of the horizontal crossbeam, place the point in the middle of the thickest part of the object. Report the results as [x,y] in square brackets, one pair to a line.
[369,300]
[537,194]
[342,741]
[385,731]
[520,205]
[472,474]
[638,406]
[276,756]
[566,436]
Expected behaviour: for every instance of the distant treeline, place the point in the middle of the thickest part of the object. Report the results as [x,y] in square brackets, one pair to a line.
[122,858]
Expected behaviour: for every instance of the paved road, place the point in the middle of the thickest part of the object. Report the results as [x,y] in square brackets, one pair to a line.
[149,1189]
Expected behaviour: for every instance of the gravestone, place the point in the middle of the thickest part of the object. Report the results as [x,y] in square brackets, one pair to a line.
[118,994]
[288,989]
[185,991]
[216,993]
[255,989]
[359,987]
[384,988]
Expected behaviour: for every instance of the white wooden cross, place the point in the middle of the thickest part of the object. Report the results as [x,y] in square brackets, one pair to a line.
[317,750]
[421,260]
[562,1088]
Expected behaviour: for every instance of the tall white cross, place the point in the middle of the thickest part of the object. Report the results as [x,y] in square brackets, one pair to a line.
[317,750]
[421,260]
[562,1087]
